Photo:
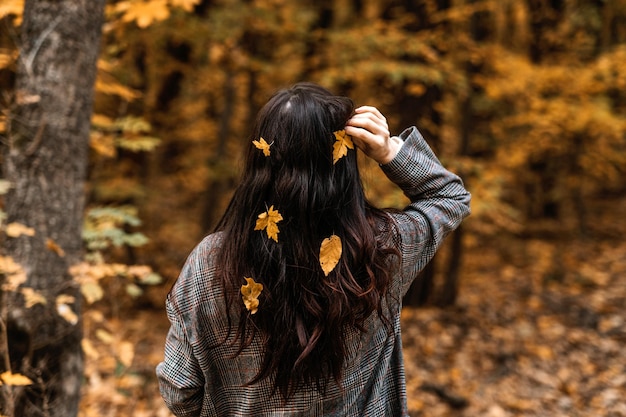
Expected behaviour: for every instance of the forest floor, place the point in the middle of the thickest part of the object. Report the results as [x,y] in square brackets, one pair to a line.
[539,329]
[525,340]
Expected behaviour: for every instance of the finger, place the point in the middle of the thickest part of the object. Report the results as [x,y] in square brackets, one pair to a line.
[364,139]
[371,115]
[371,109]
[361,118]
[359,135]
[371,123]
[367,123]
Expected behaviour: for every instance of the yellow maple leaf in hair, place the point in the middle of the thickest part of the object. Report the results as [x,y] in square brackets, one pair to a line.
[343,141]
[267,220]
[330,253]
[250,293]
[263,145]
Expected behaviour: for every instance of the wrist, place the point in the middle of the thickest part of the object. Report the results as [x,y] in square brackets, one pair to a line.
[394,145]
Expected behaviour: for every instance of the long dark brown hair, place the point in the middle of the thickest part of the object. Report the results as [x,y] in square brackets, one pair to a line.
[303,315]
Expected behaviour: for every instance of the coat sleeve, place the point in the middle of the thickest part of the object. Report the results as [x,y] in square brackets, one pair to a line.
[181,380]
[439,202]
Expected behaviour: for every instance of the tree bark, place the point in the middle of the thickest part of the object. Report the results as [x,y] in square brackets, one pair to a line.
[45,159]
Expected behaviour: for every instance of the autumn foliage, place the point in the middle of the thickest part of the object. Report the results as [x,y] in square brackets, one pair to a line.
[526,100]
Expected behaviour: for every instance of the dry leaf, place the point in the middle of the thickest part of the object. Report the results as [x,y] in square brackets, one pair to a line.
[64,310]
[112,87]
[54,247]
[146,13]
[16,229]
[92,291]
[100,120]
[268,220]
[103,144]
[250,293]
[330,253]
[343,142]
[125,353]
[104,336]
[32,297]
[14,274]
[9,378]
[263,145]
[90,351]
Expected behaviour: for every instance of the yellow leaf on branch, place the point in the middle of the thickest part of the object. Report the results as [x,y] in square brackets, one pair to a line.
[268,220]
[330,253]
[114,88]
[263,145]
[9,378]
[146,12]
[103,144]
[343,141]
[250,293]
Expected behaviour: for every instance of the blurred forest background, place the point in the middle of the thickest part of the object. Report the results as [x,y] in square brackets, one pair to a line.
[522,313]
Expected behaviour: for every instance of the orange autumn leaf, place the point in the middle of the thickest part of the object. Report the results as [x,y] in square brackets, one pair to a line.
[54,247]
[330,253]
[250,293]
[263,145]
[267,221]
[146,13]
[343,142]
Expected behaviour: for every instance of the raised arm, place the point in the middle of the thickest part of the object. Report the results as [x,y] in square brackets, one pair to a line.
[439,200]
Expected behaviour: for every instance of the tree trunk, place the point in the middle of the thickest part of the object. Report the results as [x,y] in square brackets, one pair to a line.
[218,184]
[45,159]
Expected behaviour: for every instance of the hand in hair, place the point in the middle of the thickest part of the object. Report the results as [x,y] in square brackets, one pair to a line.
[369,131]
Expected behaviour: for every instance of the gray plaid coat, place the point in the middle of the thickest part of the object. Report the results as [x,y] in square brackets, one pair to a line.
[199,381]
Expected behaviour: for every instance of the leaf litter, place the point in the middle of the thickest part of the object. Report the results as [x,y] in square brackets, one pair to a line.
[526,338]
